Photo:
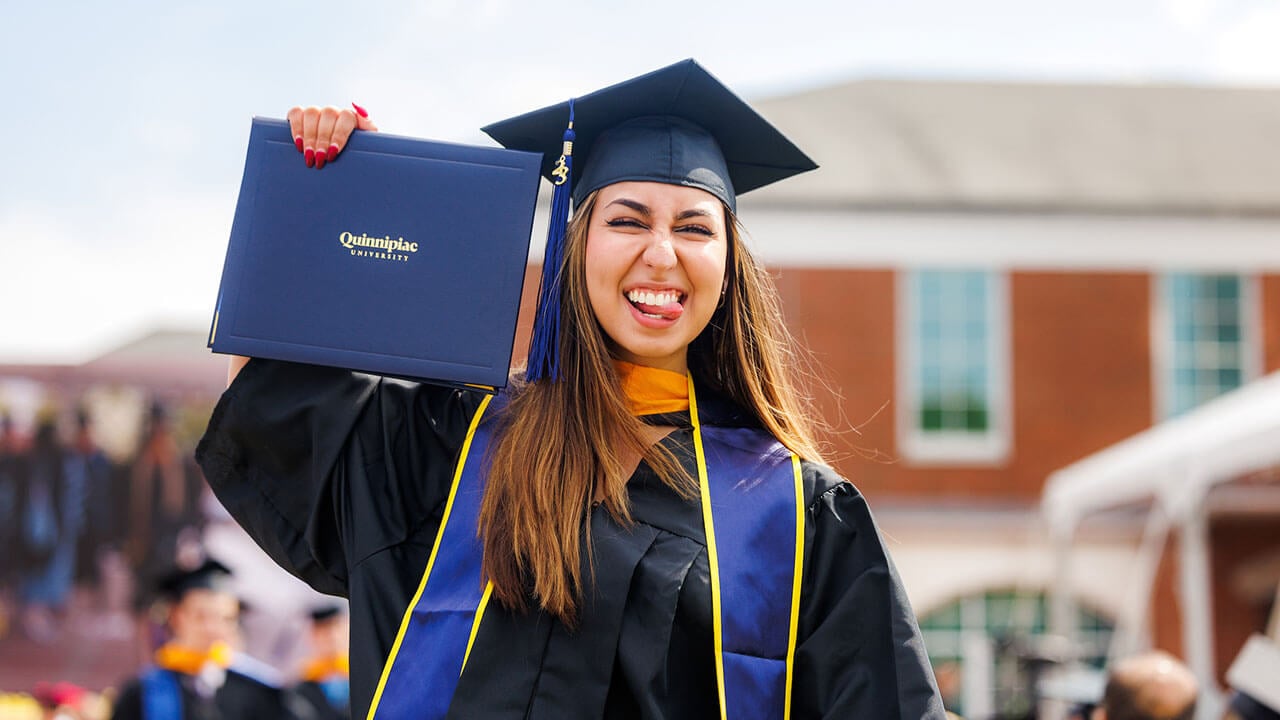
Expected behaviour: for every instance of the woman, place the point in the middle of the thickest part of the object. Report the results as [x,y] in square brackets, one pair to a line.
[546,553]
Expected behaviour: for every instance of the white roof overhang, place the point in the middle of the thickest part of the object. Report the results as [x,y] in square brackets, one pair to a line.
[1176,462]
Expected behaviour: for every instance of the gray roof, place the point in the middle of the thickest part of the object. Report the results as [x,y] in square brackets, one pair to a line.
[167,361]
[1033,147]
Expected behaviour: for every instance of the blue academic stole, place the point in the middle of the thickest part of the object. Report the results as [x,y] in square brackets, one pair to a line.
[753,514]
[161,695]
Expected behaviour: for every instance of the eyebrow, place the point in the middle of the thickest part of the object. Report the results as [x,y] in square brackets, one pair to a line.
[647,212]
[637,206]
[694,212]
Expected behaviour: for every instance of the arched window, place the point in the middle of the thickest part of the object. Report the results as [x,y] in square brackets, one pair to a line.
[980,645]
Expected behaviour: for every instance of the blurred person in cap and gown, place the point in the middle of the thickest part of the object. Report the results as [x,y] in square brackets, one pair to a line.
[1149,686]
[196,674]
[324,685]
[88,463]
[11,469]
[163,503]
[52,503]
[546,552]
[1254,678]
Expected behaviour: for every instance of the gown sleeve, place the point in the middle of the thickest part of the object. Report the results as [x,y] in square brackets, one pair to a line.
[859,652]
[129,703]
[324,467]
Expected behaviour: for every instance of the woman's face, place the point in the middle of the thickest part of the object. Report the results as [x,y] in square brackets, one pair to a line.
[655,262]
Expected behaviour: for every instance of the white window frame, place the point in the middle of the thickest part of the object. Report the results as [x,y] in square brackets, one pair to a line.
[973,642]
[953,448]
[1162,350]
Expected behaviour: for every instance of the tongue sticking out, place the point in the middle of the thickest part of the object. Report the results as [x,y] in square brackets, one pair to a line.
[670,311]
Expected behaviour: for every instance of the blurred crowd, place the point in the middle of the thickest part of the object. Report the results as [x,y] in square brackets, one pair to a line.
[70,516]
[108,551]
[128,538]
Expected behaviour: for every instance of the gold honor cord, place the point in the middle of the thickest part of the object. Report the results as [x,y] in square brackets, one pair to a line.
[475,625]
[435,548]
[712,558]
[797,576]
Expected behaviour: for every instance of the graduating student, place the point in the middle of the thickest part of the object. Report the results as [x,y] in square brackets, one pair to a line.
[641,525]
[51,501]
[324,686]
[196,675]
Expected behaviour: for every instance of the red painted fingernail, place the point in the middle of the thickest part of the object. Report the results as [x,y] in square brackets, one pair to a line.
[363,113]
[320,159]
[298,141]
[310,156]
[333,153]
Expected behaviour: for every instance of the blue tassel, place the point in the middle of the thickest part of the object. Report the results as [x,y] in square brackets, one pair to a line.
[544,355]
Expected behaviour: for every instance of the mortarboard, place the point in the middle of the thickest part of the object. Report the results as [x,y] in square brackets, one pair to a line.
[1253,675]
[677,125]
[210,575]
[324,613]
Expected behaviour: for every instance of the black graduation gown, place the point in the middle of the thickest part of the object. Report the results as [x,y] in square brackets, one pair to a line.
[310,703]
[240,698]
[342,478]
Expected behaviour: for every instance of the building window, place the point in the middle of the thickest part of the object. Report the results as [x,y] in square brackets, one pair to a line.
[981,647]
[953,343]
[1208,348]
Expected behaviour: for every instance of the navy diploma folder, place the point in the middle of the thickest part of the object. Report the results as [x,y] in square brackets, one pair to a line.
[404,257]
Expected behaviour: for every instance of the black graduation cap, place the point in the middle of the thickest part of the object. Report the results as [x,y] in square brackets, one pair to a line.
[324,613]
[210,575]
[1246,708]
[677,125]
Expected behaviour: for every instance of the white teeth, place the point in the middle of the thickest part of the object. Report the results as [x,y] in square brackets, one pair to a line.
[656,299]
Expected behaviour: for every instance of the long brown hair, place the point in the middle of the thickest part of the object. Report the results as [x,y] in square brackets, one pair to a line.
[561,443]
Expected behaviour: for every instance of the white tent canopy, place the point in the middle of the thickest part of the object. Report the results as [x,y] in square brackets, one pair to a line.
[1176,461]
[1173,466]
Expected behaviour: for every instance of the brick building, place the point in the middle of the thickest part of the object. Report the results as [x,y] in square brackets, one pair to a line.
[1001,279]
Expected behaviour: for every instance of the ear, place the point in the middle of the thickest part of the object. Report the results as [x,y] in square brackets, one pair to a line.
[1099,713]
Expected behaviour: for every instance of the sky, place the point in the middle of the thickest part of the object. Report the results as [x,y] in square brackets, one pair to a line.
[125,124]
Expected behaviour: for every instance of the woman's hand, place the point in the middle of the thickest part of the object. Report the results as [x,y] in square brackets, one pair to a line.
[321,133]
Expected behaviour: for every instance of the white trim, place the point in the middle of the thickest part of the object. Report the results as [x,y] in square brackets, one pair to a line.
[937,571]
[1162,350]
[1031,241]
[1251,326]
[1161,331]
[920,448]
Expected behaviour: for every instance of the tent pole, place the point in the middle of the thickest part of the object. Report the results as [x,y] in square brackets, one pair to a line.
[1062,605]
[1197,607]
[1132,632]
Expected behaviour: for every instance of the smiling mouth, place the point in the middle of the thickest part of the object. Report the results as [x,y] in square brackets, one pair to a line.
[659,305]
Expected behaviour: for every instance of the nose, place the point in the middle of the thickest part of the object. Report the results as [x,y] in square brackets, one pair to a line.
[660,253]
